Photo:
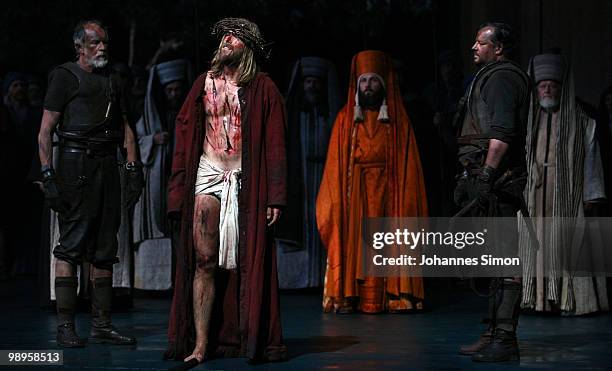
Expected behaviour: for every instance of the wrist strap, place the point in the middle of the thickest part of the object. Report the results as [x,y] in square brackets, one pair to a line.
[133,165]
[487,173]
[47,173]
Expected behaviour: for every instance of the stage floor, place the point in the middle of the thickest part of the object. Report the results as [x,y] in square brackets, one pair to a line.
[424,341]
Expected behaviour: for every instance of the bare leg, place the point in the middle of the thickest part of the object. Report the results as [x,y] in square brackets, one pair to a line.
[99,273]
[64,269]
[206,245]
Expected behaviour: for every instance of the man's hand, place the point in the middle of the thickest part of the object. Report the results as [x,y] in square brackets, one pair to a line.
[135,183]
[484,186]
[161,138]
[273,214]
[49,188]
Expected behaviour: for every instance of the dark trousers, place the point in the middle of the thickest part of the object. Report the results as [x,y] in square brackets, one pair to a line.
[90,187]
[504,295]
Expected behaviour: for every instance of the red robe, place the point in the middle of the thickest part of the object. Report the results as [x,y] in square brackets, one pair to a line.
[246,313]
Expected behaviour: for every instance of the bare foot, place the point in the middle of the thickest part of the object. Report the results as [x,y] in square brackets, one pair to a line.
[197,354]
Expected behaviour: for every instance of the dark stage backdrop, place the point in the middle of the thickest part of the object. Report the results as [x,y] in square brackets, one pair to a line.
[582,29]
[36,34]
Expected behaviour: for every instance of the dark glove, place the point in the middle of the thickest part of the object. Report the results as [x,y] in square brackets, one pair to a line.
[484,187]
[135,182]
[51,192]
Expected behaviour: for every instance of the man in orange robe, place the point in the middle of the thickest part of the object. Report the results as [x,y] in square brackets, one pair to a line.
[372,170]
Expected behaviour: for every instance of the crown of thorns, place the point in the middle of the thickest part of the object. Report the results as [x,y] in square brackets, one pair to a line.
[246,31]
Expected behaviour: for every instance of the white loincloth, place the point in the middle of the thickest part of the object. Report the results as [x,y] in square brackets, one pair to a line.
[224,184]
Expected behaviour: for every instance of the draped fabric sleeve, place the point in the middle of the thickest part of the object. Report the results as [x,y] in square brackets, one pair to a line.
[411,199]
[330,204]
[148,124]
[329,199]
[594,188]
[184,132]
[145,143]
[414,195]
[275,127]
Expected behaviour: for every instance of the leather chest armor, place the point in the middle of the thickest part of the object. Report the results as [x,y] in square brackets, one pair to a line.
[93,111]
[474,117]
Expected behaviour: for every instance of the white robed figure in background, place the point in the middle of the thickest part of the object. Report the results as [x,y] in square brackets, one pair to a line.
[155,132]
[565,181]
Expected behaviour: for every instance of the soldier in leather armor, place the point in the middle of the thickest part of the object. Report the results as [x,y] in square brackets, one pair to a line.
[492,120]
[85,107]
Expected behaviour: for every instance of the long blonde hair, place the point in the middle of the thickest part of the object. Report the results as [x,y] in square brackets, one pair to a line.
[247,66]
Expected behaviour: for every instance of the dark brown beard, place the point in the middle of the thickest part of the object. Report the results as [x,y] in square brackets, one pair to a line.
[232,59]
[372,101]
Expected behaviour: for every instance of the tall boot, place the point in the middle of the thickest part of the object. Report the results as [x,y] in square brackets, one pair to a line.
[102,331]
[483,340]
[487,335]
[66,298]
[503,346]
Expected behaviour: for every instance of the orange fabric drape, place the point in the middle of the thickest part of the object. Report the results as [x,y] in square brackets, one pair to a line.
[361,157]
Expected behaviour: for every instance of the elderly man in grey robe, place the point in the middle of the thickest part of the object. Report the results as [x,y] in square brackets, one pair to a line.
[155,131]
[313,100]
[565,181]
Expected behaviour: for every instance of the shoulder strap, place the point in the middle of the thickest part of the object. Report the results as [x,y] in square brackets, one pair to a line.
[485,74]
[503,66]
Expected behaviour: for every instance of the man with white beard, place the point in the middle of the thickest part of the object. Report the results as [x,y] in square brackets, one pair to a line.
[565,180]
[86,108]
